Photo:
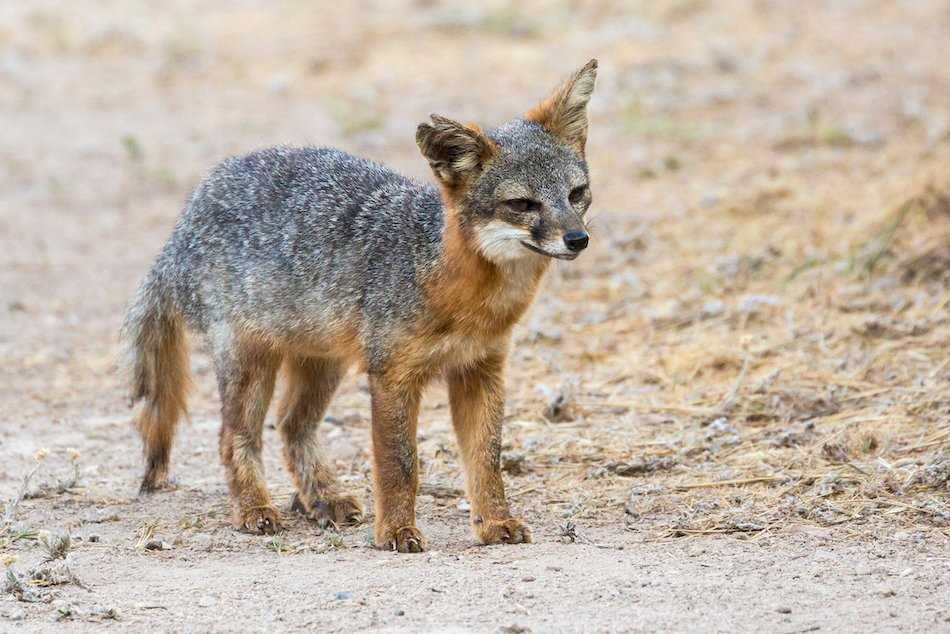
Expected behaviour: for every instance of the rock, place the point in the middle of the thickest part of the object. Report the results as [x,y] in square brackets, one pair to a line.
[343,596]
[669,313]
[514,464]
[830,484]
[559,409]
[793,436]
[98,516]
[16,614]
[720,426]
[752,303]
[202,541]
[640,466]
[712,308]
[547,334]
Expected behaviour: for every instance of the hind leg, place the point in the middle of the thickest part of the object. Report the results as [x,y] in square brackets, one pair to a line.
[311,384]
[246,376]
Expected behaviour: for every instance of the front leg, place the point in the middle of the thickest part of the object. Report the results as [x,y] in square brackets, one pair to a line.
[477,396]
[395,399]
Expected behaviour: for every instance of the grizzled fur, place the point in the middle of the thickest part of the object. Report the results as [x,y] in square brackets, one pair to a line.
[313,260]
[284,241]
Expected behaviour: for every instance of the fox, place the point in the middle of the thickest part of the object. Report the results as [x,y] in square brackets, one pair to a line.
[312,261]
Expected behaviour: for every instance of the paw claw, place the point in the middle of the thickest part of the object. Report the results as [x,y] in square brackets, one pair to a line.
[263,521]
[150,485]
[502,531]
[407,539]
[332,512]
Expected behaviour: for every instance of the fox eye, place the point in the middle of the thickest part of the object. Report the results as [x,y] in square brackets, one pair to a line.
[577,194]
[523,204]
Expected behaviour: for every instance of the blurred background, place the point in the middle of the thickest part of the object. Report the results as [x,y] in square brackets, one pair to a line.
[769,267]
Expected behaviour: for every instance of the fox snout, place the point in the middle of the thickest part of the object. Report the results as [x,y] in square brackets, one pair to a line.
[544,232]
[559,233]
[571,246]
[576,240]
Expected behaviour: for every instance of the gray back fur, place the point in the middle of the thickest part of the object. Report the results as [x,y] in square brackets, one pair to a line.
[285,242]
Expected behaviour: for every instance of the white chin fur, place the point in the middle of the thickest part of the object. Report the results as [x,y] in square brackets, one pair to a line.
[557,248]
[501,242]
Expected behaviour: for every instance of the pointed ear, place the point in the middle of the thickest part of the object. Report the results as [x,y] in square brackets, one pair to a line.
[564,113]
[455,152]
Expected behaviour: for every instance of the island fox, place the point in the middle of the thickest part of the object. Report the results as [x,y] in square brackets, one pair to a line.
[316,260]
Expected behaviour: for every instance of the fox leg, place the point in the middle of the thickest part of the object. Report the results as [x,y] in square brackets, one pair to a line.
[476,395]
[246,381]
[311,383]
[395,402]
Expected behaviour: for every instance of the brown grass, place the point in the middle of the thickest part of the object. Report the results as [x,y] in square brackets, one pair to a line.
[825,403]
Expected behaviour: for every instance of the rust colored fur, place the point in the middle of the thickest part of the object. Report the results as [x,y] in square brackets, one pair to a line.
[464,290]
[461,305]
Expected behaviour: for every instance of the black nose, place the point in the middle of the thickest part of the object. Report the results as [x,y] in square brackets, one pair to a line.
[576,240]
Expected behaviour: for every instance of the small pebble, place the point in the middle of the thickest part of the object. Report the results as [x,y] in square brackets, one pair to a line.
[17,614]
[752,303]
[206,601]
[713,308]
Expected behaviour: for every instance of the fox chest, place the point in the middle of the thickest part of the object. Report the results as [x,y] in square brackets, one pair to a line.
[472,329]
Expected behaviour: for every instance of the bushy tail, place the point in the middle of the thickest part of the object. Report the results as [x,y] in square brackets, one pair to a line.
[157,357]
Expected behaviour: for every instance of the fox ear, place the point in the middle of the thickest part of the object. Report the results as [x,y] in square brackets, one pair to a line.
[564,113]
[455,152]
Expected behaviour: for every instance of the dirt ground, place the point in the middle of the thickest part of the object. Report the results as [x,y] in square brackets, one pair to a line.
[731,414]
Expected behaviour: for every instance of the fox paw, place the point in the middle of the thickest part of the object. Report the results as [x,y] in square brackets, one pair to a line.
[263,520]
[340,510]
[501,531]
[155,483]
[406,539]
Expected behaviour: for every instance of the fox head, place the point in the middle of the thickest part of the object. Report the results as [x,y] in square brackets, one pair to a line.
[520,189]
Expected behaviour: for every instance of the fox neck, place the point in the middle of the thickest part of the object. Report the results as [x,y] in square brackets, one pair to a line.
[474,294]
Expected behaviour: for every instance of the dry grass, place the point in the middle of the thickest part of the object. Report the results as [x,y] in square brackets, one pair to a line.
[825,400]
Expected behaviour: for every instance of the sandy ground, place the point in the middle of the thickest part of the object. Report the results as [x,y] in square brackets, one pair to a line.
[732,414]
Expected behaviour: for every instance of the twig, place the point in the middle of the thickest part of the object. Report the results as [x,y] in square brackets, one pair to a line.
[12,505]
[725,483]
[730,400]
